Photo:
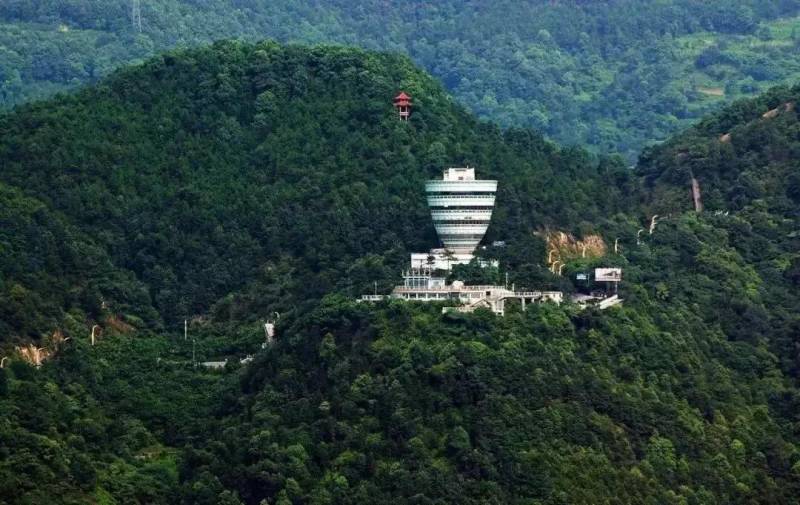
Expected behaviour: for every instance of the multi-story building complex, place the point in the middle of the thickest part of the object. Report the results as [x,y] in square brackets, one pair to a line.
[424,286]
[461,208]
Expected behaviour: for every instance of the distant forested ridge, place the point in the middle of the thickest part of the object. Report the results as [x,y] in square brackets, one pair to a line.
[614,76]
[223,184]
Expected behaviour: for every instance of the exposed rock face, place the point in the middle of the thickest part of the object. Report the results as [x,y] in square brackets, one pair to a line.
[562,246]
[568,245]
[770,114]
[32,354]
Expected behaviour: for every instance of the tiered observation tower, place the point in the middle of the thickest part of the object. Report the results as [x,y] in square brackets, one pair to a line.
[461,208]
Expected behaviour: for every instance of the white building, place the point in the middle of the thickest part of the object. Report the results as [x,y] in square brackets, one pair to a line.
[442,259]
[461,208]
[422,286]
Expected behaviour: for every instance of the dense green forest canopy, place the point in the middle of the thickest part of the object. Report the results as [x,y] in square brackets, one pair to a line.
[615,76]
[206,171]
[744,155]
[227,183]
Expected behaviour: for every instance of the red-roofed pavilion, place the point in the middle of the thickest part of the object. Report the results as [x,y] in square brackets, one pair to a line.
[402,103]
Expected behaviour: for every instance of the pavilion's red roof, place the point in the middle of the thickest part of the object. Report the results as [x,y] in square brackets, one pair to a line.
[402,96]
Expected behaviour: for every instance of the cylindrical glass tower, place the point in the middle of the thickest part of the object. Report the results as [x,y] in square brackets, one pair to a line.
[461,208]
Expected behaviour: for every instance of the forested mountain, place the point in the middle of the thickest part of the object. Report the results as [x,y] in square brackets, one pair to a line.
[226,183]
[196,175]
[615,76]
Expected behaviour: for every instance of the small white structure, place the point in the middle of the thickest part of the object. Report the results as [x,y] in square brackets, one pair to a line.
[607,274]
[600,301]
[269,333]
[611,276]
[214,365]
[611,301]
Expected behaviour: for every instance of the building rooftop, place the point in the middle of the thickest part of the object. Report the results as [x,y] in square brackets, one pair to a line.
[459,174]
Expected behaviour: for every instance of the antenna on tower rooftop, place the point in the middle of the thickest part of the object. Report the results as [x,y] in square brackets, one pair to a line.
[136,15]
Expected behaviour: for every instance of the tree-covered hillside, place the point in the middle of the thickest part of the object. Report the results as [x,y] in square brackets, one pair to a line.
[652,403]
[227,183]
[206,171]
[611,75]
[743,156]
[745,162]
